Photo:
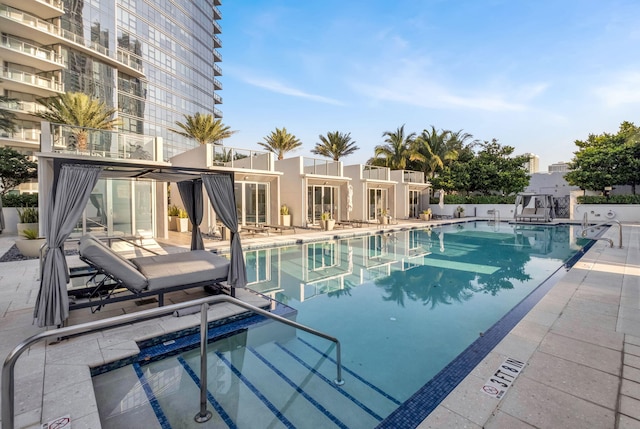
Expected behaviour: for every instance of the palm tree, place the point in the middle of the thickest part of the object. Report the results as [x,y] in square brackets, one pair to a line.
[280,142]
[434,149]
[79,110]
[204,129]
[335,145]
[396,152]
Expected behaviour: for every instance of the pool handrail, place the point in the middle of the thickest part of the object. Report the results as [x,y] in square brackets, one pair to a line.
[8,381]
[586,226]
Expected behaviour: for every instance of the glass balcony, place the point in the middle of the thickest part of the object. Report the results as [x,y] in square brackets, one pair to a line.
[102,143]
[217,84]
[412,176]
[321,167]
[25,134]
[29,49]
[29,107]
[217,98]
[225,156]
[217,113]
[32,79]
[217,71]
[375,173]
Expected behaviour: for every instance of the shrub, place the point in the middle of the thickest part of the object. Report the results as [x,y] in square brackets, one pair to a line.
[174,211]
[612,199]
[284,210]
[30,234]
[476,199]
[182,214]
[20,200]
[28,215]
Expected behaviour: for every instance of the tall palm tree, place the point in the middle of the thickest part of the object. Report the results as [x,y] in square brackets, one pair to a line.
[335,145]
[396,152]
[430,150]
[280,142]
[79,110]
[204,129]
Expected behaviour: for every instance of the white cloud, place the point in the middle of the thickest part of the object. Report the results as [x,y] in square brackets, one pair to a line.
[413,83]
[280,88]
[624,89]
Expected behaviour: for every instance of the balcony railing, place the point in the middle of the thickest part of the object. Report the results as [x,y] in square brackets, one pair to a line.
[217,70]
[321,167]
[33,50]
[217,113]
[412,176]
[217,55]
[102,143]
[217,42]
[32,21]
[217,84]
[375,173]
[29,107]
[217,98]
[224,156]
[32,79]
[31,135]
[129,59]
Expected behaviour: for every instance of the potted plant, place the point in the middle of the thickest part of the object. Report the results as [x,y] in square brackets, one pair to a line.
[182,221]
[28,217]
[31,244]
[426,214]
[285,216]
[459,212]
[384,217]
[326,222]
[174,213]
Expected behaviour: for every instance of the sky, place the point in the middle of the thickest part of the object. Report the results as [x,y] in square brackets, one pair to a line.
[533,74]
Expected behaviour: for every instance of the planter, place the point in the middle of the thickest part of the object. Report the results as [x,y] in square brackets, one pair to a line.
[182,224]
[328,225]
[22,226]
[424,216]
[384,220]
[285,220]
[173,223]
[30,248]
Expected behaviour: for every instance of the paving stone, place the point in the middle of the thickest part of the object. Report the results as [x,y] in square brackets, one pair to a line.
[570,377]
[581,352]
[502,420]
[630,407]
[445,418]
[627,423]
[631,373]
[544,407]
[465,401]
[77,399]
[632,360]
[573,328]
[630,388]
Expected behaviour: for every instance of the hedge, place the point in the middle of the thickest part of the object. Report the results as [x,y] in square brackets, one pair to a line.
[612,199]
[20,200]
[476,199]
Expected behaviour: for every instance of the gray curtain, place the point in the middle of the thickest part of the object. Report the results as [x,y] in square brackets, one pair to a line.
[220,190]
[1,216]
[191,194]
[75,184]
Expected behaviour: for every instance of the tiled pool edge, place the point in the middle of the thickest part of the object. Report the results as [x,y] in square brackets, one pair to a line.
[422,403]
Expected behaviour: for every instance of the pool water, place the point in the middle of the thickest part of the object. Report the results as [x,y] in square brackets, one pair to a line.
[403,306]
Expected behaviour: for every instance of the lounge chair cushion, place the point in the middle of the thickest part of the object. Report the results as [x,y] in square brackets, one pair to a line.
[102,256]
[182,268]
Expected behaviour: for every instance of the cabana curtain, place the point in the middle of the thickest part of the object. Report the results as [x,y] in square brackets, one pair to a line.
[72,193]
[191,194]
[220,190]
[1,216]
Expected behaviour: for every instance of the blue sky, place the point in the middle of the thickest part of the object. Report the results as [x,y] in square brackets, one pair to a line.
[534,74]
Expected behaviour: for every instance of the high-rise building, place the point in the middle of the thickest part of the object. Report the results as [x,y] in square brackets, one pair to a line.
[154,61]
[532,165]
[559,167]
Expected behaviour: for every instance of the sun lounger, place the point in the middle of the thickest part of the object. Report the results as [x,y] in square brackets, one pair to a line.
[531,214]
[280,228]
[147,275]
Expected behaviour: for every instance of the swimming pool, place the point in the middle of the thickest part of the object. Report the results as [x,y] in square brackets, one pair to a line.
[403,305]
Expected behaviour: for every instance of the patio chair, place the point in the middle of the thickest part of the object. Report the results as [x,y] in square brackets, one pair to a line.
[147,275]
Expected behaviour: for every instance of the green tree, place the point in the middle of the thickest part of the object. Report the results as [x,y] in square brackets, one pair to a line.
[15,169]
[79,110]
[7,118]
[280,142]
[607,160]
[204,129]
[335,145]
[396,153]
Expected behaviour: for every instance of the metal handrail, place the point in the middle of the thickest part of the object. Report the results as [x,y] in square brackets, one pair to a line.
[584,231]
[8,381]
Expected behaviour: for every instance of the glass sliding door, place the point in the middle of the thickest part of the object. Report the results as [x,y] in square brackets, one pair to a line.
[377,203]
[414,204]
[252,202]
[320,199]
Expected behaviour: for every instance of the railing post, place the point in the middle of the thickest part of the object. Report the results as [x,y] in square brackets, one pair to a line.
[203,415]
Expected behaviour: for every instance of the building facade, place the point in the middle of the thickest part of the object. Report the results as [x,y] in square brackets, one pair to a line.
[154,61]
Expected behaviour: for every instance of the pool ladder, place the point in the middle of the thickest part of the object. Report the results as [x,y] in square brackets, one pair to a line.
[586,227]
[8,381]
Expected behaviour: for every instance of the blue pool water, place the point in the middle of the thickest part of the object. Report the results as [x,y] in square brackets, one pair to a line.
[403,305]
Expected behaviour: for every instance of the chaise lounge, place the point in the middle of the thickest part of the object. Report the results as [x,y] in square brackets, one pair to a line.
[148,275]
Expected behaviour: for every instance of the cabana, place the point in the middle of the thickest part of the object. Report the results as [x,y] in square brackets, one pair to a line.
[70,184]
[532,207]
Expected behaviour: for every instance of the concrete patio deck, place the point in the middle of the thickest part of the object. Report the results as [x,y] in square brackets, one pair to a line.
[580,343]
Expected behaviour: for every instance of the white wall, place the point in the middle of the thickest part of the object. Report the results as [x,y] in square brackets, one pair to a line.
[550,183]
